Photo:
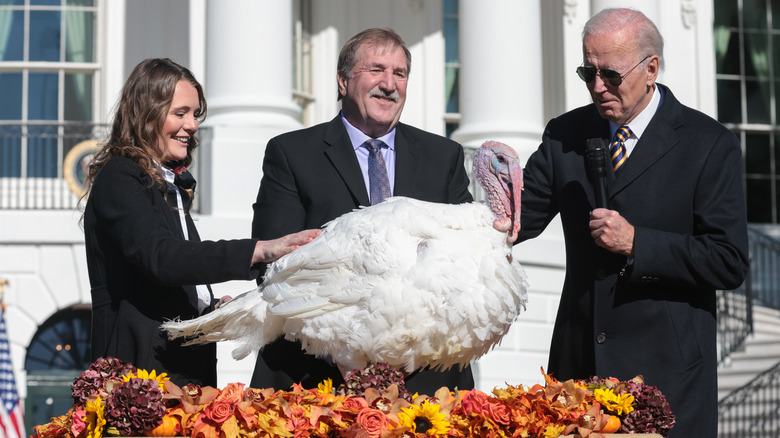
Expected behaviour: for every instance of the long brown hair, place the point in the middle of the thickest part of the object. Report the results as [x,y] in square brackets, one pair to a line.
[140,115]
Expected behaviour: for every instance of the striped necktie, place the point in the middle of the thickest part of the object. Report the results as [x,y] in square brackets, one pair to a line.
[618,149]
[378,182]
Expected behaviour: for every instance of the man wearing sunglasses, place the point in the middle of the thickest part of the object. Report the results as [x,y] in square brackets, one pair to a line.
[641,275]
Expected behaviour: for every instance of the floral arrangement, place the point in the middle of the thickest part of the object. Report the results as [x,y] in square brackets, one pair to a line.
[115,398]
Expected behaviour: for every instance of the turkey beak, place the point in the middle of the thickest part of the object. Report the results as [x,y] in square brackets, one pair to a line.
[516,176]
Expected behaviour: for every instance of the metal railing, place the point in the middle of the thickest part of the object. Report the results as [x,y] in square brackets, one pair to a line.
[735,319]
[33,174]
[43,165]
[752,411]
[765,268]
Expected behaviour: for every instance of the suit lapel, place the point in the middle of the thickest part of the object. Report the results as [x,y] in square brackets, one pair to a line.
[339,150]
[658,139]
[407,163]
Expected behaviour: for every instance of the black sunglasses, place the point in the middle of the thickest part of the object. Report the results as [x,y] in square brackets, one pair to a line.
[611,77]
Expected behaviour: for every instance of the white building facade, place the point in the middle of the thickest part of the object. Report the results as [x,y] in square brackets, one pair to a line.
[481,70]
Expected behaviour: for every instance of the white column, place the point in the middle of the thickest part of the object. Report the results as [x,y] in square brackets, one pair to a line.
[248,87]
[249,62]
[113,36]
[502,98]
[501,74]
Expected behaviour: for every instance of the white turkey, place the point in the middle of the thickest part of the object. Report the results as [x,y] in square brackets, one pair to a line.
[405,282]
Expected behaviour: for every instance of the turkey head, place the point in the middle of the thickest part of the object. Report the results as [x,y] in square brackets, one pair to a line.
[497,168]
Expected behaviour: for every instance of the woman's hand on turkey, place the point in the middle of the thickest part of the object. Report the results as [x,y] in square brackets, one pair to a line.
[269,250]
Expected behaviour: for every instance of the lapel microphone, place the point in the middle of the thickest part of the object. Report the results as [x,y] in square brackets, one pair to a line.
[596,152]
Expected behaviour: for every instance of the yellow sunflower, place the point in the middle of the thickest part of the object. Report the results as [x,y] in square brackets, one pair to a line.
[143,374]
[617,403]
[425,418]
[95,419]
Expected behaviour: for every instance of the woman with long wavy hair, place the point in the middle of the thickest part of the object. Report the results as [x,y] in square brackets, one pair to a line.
[145,259]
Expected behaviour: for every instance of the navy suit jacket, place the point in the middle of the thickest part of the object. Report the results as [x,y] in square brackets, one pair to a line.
[142,272]
[681,188]
[312,176]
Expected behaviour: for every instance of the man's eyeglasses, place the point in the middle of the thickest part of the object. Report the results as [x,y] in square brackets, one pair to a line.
[611,77]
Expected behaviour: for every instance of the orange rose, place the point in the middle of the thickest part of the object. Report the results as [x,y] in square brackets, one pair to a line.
[354,404]
[233,393]
[219,411]
[372,421]
[497,412]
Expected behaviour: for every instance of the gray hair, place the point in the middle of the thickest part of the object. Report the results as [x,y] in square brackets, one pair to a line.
[648,39]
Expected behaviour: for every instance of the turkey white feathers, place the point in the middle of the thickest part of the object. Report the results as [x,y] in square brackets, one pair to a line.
[406,282]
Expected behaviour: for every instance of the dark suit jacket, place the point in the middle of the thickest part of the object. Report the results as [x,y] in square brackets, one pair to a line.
[312,176]
[681,188]
[143,272]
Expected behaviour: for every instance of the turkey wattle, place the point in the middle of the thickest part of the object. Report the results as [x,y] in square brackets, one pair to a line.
[405,282]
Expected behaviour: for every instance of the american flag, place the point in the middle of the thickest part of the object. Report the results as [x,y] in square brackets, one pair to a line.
[11,416]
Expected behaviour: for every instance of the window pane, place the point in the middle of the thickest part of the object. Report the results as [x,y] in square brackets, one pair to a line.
[754,14]
[776,14]
[757,157]
[729,98]
[756,55]
[10,151]
[41,152]
[45,2]
[451,40]
[12,39]
[451,84]
[80,2]
[11,2]
[79,44]
[45,36]
[726,51]
[726,13]
[757,101]
[759,200]
[450,7]
[42,100]
[69,327]
[777,152]
[11,90]
[776,50]
[78,97]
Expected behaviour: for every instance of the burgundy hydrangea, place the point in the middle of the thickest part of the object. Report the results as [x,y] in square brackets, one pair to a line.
[134,407]
[99,379]
[378,376]
[651,414]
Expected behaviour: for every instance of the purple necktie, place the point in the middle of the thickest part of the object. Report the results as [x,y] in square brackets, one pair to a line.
[378,182]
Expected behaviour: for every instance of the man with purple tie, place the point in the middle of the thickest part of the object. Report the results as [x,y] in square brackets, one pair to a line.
[312,176]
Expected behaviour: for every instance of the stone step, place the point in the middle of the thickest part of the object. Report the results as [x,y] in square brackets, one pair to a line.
[760,352]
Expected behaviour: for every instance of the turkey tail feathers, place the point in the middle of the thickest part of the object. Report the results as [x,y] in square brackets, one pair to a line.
[242,320]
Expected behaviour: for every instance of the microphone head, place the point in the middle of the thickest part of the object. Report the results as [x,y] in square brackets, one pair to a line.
[596,151]
[597,155]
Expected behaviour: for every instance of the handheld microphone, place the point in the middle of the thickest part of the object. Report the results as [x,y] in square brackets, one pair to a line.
[597,169]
